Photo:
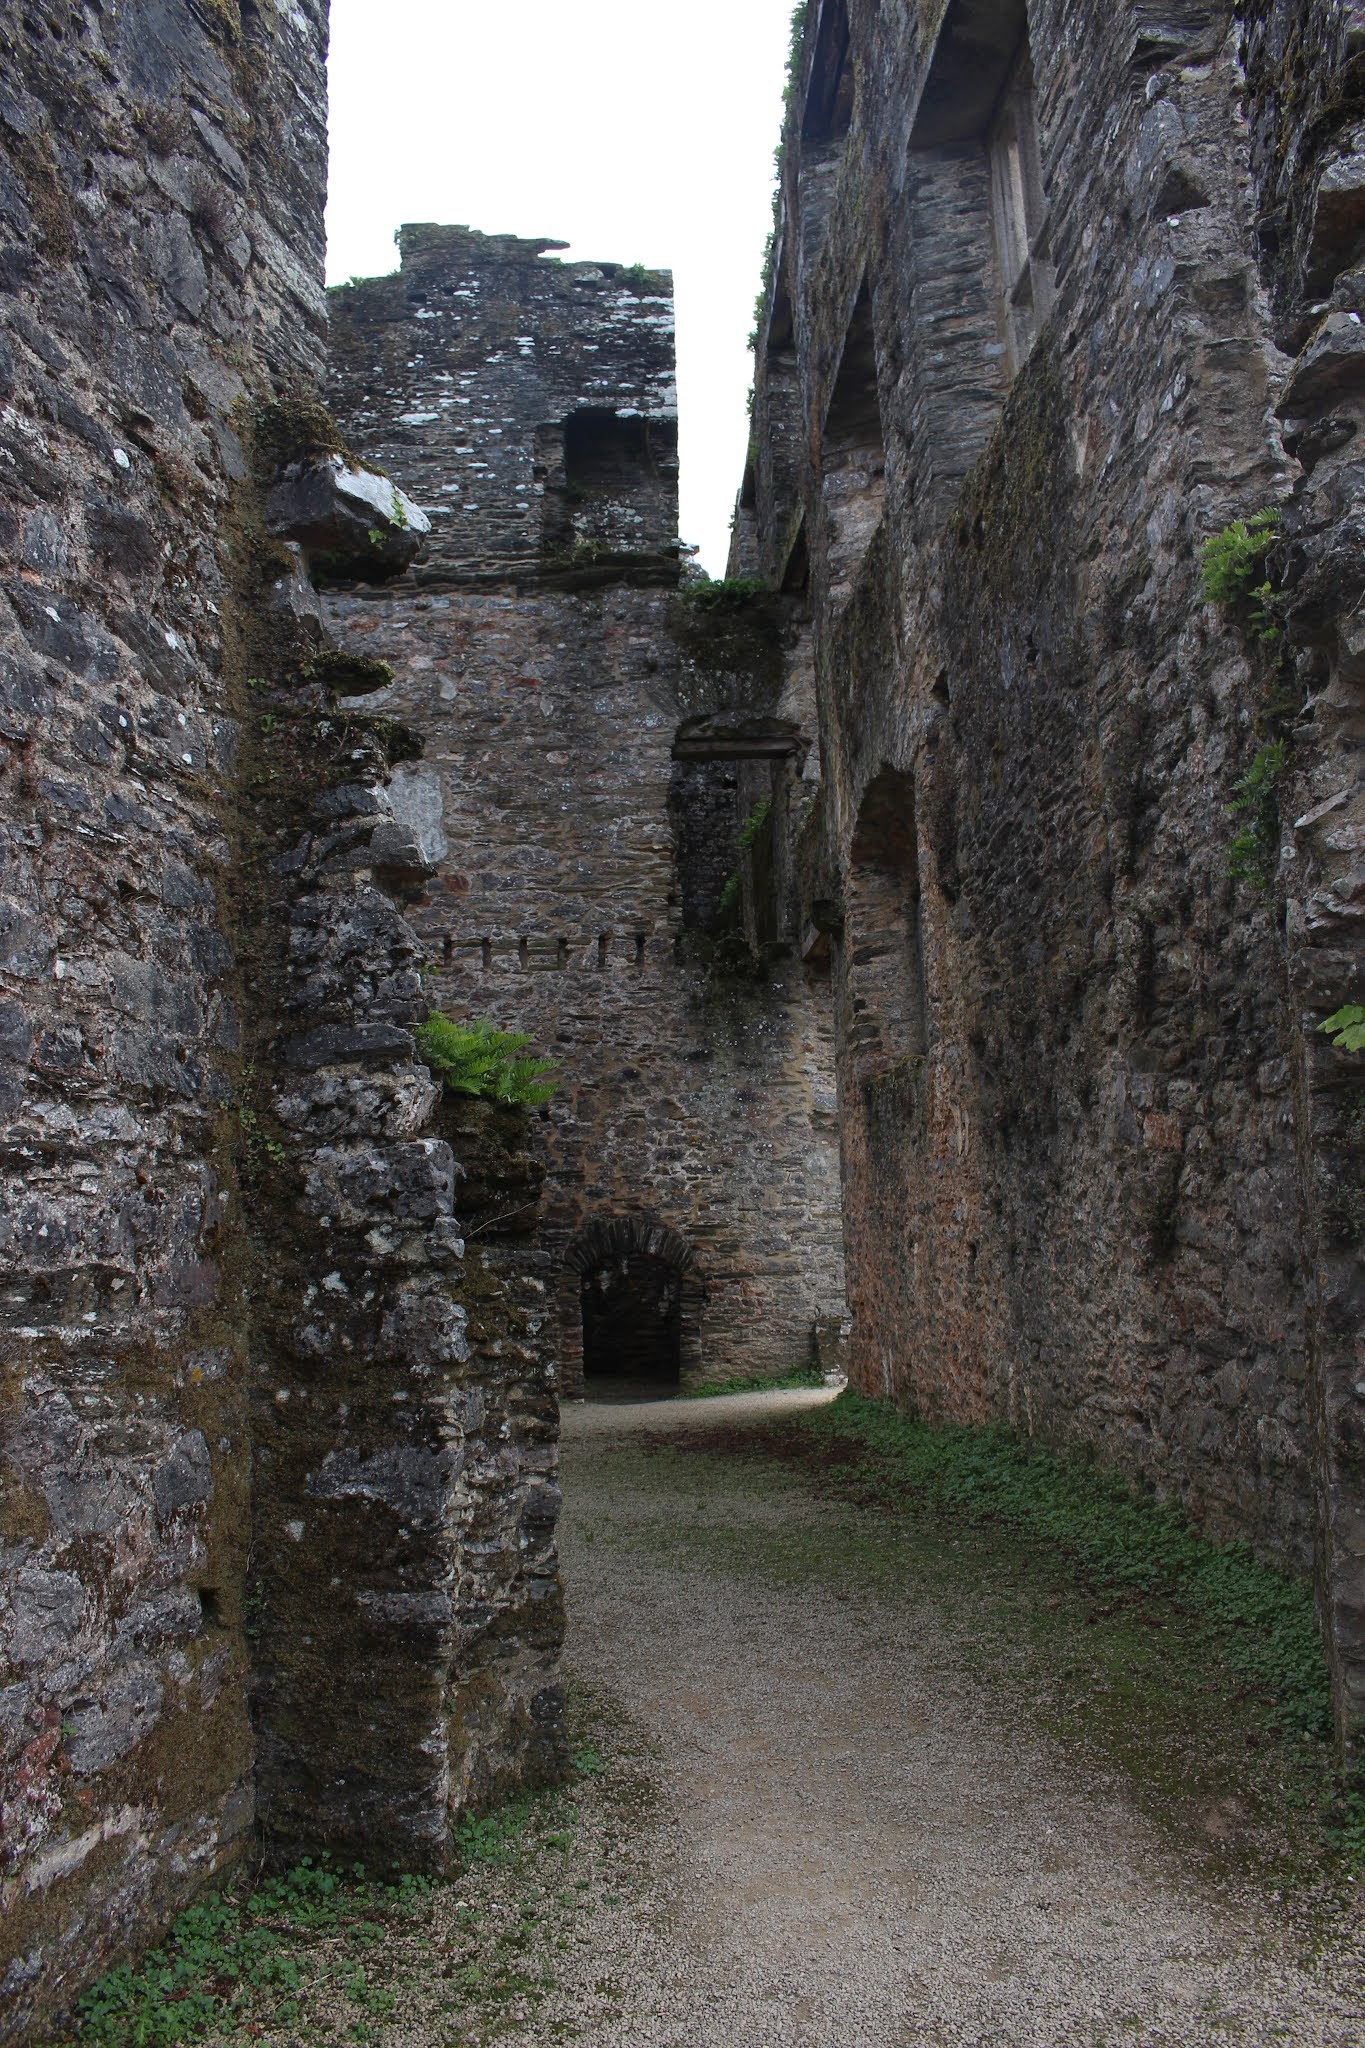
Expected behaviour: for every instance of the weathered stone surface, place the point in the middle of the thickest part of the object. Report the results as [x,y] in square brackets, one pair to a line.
[1333,360]
[129,340]
[1304,71]
[351,523]
[594,741]
[920,851]
[1076,1057]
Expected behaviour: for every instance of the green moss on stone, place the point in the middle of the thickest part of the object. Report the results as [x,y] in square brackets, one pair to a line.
[348,675]
[296,429]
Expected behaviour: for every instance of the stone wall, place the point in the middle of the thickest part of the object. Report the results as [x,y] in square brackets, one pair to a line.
[161,186]
[403,1589]
[1077,1054]
[277,1566]
[594,739]
[1306,70]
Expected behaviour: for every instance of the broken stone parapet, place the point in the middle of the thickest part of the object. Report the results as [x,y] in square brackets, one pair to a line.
[570,474]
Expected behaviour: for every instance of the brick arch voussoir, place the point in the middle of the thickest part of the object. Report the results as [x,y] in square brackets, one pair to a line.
[604,1238]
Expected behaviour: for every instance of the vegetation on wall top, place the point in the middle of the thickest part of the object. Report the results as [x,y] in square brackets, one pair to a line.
[796,44]
[725,593]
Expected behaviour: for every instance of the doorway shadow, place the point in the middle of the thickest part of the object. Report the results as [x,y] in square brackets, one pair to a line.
[639,1309]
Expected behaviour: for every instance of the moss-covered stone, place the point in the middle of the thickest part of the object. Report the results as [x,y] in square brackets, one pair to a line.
[348,675]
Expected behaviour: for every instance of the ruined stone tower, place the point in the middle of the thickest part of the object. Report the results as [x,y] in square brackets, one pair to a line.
[593,742]
[284,1331]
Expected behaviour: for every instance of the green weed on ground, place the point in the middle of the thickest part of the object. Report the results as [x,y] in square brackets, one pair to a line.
[1119,1537]
[1192,1667]
[758,1383]
[234,1944]
[326,1952]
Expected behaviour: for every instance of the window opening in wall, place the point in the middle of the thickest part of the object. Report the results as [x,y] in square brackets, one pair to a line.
[603,450]
[886,1010]
[744,526]
[976,245]
[782,326]
[782,427]
[486,954]
[829,99]
[825,122]
[1019,212]
[853,451]
[711,801]
[608,478]
[632,1322]
[603,948]
[703,809]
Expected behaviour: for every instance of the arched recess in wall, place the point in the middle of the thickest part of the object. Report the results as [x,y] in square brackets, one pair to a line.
[825,123]
[978,250]
[886,1024]
[633,1304]
[853,452]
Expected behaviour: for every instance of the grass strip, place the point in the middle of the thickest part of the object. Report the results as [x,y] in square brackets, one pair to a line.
[260,1953]
[1121,1536]
[758,1383]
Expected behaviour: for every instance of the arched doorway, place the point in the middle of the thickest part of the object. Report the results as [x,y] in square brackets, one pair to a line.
[638,1308]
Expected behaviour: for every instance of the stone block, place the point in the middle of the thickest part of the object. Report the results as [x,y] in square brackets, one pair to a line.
[353,524]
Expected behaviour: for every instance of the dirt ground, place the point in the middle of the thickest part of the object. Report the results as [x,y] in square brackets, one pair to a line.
[848,1779]
[860,1832]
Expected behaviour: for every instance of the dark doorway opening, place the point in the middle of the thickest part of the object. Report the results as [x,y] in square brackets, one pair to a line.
[632,1323]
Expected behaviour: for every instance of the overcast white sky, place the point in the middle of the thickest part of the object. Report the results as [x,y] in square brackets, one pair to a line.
[638,131]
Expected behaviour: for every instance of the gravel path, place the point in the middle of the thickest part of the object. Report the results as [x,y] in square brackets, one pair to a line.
[859,1833]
